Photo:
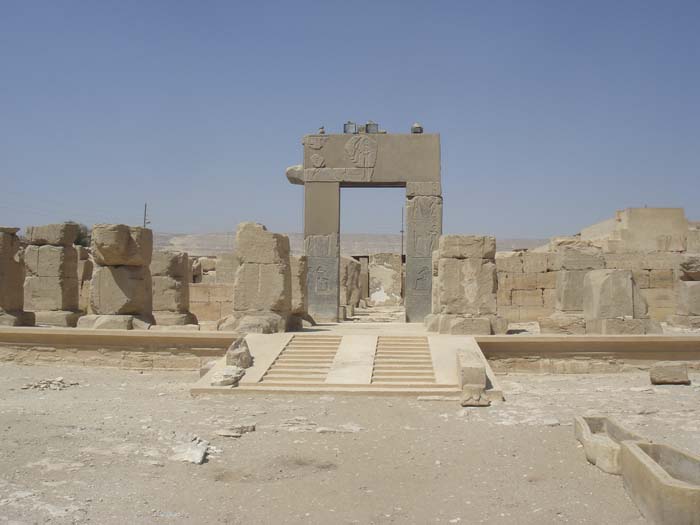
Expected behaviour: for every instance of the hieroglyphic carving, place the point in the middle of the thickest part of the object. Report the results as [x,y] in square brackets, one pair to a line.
[315,142]
[424,224]
[317,160]
[323,276]
[322,245]
[362,152]
[419,276]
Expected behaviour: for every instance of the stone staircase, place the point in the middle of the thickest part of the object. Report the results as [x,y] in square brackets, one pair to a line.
[402,361]
[305,360]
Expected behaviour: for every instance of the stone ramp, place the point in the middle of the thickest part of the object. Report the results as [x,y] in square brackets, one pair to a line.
[352,363]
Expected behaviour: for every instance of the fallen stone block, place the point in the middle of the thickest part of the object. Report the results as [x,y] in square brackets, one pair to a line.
[193,452]
[669,373]
[63,234]
[238,354]
[121,245]
[227,376]
[474,397]
[663,481]
[601,438]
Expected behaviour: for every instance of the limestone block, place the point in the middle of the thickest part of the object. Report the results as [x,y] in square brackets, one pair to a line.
[693,241]
[470,326]
[570,290]
[685,321]
[562,323]
[467,247]
[121,245]
[518,281]
[254,244]
[16,318]
[688,298]
[527,298]
[164,318]
[534,262]
[170,295]
[553,262]
[581,259]
[51,261]
[120,290]
[51,293]
[661,278]
[511,313]
[467,286]
[662,261]
[504,297]
[690,267]
[11,274]
[471,369]
[509,262]
[642,278]
[170,264]
[499,324]
[253,322]
[618,326]
[533,313]
[445,323]
[63,319]
[261,287]
[107,322]
[85,268]
[349,281]
[300,303]
[624,261]
[63,234]
[226,267]
[549,298]
[669,373]
[417,189]
[547,280]
[608,294]
[659,297]
[385,271]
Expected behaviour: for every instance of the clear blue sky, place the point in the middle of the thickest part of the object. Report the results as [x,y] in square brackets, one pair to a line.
[552,114]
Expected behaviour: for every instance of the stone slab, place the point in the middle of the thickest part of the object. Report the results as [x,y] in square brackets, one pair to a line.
[354,361]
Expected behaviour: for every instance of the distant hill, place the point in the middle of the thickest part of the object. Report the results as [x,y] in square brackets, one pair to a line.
[201,244]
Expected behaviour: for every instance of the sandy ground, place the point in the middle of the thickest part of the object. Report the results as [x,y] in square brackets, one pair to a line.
[99,452]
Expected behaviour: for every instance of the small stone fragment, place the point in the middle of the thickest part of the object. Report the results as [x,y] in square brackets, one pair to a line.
[669,373]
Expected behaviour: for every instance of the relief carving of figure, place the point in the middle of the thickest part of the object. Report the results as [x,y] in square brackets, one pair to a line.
[362,151]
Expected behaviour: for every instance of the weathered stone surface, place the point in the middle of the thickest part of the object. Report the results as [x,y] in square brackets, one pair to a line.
[690,267]
[63,319]
[474,397]
[106,322]
[570,290]
[693,241]
[63,234]
[384,279]
[263,287]
[254,323]
[688,298]
[226,267]
[417,189]
[608,294]
[534,262]
[51,293]
[527,298]
[299,267]
[467,247]
[11,276]
[571,258]
[227,376]
[349,281]
[619,326]
[170,295]
[121,290]
[470,326]
[174,318]
[662,261]
[121,245]
[170,264]
[685,321]
[563,323]
[467,286]
[509,262]
[51,261]
[669,373]
[16,318]
[254,244]
[238,354]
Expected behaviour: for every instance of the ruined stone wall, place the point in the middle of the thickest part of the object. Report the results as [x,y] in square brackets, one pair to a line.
[171,295]
[121,285]
[12,280]
[385,276]
[51,287]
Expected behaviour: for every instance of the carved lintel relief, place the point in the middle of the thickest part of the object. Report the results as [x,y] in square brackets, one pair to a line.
[424,225]
[362,152]
[318,161]
[336,175]
[315,142]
